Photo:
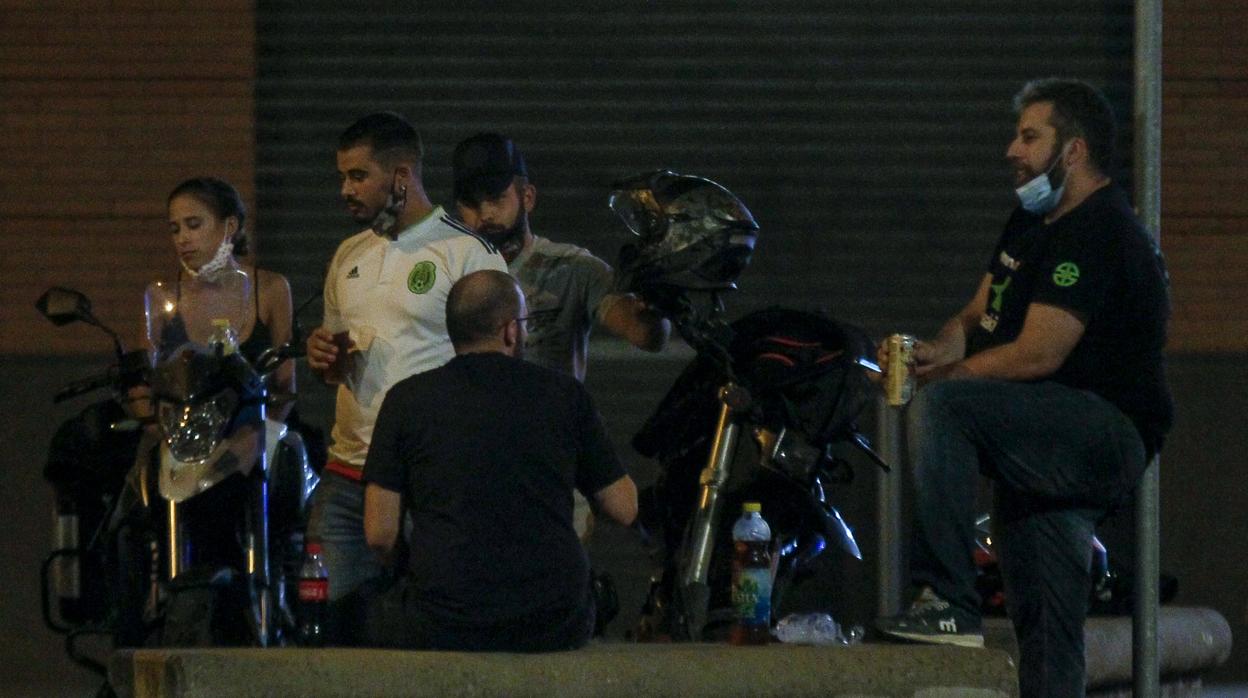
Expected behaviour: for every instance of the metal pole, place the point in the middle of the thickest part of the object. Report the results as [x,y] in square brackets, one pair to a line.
[1146,670]
[1146,666]
[888,500]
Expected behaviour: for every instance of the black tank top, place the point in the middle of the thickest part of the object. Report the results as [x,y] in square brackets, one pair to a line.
[174,335]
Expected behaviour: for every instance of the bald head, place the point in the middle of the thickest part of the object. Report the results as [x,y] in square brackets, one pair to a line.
[479,313]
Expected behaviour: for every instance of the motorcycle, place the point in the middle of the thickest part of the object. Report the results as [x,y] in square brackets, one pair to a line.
[182,527]
[794,381]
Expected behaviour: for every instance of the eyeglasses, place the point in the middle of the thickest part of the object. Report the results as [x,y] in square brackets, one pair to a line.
[526,322]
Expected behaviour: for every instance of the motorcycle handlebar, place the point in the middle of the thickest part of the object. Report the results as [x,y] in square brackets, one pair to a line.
[128,372]
[273,357]
[86,385]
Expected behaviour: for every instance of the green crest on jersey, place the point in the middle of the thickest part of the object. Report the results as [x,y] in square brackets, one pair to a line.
[1066,274]
[422,277]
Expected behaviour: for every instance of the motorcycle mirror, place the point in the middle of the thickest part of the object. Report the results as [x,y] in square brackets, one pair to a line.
[65,305]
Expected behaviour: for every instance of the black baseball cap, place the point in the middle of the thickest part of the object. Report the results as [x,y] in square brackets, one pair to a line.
[484,165]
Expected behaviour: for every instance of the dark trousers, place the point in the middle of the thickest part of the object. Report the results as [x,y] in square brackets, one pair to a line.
[1060,459]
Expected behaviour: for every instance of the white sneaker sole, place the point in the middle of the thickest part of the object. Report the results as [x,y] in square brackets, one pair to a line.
[976,641]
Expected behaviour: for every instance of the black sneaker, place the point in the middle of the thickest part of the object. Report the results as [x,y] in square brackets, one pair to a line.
[933,620]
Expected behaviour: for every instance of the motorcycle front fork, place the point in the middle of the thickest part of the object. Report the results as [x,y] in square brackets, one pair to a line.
[700,544]
[255,553]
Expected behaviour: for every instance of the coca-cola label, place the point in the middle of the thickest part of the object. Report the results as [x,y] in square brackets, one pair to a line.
[313,590]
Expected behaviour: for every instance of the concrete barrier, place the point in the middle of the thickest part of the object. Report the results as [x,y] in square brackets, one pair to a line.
[605,670]
[1191,642]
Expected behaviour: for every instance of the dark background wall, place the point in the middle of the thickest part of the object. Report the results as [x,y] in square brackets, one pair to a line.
[866,137]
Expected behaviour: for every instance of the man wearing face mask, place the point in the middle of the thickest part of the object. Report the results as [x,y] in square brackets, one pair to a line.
[566,287]
[1051,381]
[385,318]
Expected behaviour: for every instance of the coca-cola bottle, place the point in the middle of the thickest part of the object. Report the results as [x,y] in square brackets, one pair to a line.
[751,578]
[313,597]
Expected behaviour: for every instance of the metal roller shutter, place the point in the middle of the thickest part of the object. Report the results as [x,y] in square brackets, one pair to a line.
[867,137]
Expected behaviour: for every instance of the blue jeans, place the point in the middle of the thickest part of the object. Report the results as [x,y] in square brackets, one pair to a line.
[1060,459]
[337,520]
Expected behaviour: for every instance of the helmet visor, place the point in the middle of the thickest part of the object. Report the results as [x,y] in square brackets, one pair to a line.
[638,209]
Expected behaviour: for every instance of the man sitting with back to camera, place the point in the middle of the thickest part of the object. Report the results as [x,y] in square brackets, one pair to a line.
[483,454]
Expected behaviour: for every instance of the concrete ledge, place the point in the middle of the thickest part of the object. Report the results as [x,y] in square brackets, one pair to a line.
[608,670]
[1191,641]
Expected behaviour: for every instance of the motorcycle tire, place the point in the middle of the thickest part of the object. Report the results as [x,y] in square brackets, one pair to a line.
[207,615]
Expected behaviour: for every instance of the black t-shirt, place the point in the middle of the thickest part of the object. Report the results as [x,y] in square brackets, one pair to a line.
[486,451]
[1098,262]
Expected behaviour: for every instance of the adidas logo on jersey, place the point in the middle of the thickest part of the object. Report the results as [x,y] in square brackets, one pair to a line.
[354,273]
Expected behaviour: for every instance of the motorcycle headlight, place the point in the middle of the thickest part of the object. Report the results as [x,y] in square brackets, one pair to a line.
[194,430]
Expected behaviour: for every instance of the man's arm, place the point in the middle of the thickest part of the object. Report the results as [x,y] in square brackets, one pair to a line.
[381,519]
[322,352]
[949,345]
[1048,336]
[385,471]
[628,317]
[619,500]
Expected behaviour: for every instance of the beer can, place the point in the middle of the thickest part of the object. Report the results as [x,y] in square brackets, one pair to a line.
[899,374]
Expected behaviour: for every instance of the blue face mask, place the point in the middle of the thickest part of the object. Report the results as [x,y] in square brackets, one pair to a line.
[1038,195]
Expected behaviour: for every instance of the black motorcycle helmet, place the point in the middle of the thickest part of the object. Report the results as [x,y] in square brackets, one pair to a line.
[694,234]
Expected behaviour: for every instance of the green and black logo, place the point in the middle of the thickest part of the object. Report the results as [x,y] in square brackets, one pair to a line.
[422,277]
[998,293]
[1066,274]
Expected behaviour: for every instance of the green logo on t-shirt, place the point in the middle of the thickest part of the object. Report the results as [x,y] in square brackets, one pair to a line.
[998,293]
[1066,274]
[422,277]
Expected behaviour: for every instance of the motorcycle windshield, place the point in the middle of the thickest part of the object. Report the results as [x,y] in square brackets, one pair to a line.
[208,398]
[190,310]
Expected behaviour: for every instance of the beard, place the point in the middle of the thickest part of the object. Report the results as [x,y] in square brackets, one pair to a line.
[508,239]
[1055,168]
[359,212]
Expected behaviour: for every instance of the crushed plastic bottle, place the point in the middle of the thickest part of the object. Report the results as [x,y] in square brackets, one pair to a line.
[816,629]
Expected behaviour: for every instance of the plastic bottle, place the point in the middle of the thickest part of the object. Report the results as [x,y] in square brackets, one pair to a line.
[223,335]
[751,577]
[816,629]
[313,597]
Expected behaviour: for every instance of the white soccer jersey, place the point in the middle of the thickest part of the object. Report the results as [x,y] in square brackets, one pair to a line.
[390,296]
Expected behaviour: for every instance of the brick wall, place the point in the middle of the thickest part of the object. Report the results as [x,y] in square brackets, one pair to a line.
[1204,225]
[104,107]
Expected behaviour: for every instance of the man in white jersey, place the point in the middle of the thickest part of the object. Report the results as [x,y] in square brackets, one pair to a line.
[385,318]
